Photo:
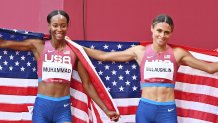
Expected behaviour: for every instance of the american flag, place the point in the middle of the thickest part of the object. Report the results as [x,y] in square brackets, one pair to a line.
[196,91]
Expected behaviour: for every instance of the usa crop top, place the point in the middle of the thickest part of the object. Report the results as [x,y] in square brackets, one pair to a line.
[158,69]
[55,65]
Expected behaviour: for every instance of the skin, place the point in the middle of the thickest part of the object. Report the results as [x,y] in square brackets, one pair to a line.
[161,33]
[58,29]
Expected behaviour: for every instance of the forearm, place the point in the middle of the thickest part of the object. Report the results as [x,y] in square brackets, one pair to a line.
[96,54]
[8,44]
[119,56]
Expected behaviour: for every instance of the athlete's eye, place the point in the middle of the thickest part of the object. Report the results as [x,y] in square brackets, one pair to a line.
[159,30]
[167,32]
[55,25]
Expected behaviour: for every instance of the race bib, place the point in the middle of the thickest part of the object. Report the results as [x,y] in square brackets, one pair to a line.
[56,70]
[160,69]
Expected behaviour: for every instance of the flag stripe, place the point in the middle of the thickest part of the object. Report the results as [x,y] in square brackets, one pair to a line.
[194,88]
[19,121]
[128,111]
[79,105]
[191,120]
[196,114]
[14,116]
[80,114]
[19,90]
[196,106]
[16,82]
[14,99]
[205,57]
[196,97]
[14,107]
[201,80]
[78,120]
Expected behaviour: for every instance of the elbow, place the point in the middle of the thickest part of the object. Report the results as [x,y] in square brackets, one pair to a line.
[103,57]
[100,57]
[211,70]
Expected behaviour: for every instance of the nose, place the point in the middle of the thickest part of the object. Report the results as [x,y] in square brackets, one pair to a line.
[59,28]
[162,34]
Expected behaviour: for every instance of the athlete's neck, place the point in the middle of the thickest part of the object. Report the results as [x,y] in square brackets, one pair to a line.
[159,48]
[58,45]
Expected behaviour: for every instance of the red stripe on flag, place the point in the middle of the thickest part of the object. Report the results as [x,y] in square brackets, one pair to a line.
[196,97]
[14,107]
[77,120]
[79,104]
[77,85]
[200,80]
[128,110]
[21,121]
[7,90]
[196,114]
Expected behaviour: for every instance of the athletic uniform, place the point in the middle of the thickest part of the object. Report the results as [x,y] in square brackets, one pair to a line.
[157,70]
[54,66]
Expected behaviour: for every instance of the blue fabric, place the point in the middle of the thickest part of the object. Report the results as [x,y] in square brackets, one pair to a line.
[157,85]
[50,111]
[157,103]
[39,79]
[53,98]
[152,113]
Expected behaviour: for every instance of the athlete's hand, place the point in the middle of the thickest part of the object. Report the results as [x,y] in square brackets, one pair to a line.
[114,116]
[67,38]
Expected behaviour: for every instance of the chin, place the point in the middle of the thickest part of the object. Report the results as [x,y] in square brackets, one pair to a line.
[59,38]
[161,43]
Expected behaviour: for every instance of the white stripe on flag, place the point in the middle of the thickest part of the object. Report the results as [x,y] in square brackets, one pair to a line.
[125,102]
[191,71]
[204,57]
[191,120]
[198,89]
[18,82]
[14,99]
[11,116]
[79,95]
[79,114]
[75,76]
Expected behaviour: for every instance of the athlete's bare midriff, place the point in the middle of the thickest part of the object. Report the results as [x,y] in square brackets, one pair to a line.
[54,89]
[158,94]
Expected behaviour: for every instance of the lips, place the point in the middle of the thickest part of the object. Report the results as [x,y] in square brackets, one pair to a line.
[161,40]
[59,36]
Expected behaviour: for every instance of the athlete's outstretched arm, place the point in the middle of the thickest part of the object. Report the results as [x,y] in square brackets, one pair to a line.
[188,59]
[28,44]
[93,94]
[121,56]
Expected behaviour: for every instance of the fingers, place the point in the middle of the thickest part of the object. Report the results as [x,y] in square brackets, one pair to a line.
[67,38]
[115,117]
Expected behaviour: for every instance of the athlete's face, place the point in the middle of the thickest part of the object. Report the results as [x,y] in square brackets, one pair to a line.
[161,33]
[58,27]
